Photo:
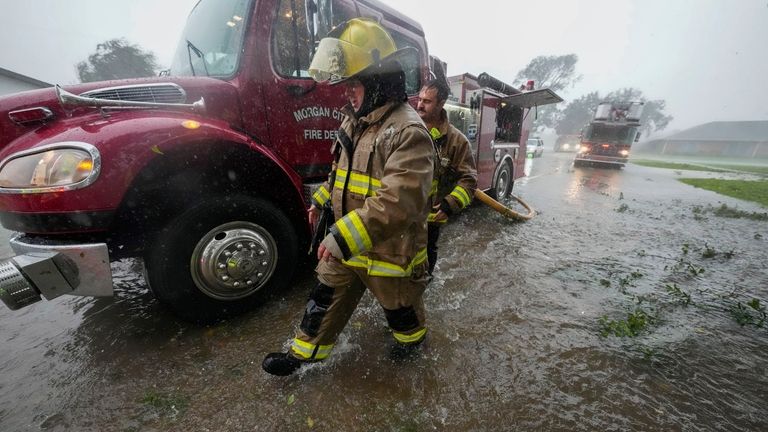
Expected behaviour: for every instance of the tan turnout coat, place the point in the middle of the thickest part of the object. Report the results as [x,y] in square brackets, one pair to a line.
[380,197]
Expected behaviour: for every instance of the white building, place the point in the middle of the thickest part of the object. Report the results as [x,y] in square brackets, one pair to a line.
[12,82]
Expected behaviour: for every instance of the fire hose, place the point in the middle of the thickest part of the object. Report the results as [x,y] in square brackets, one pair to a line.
[504,210]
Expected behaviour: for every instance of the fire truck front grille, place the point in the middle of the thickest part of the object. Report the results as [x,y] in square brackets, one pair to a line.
[154,93]
[609,151]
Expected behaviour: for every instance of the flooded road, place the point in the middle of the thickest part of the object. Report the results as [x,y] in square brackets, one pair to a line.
[627,303]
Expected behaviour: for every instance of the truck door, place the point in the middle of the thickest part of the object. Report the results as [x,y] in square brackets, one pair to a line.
[486,164]
[528,101]
[303,116]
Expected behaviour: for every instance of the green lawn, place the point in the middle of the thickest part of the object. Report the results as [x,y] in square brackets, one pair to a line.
[754,169]
[756,191]
[674,165]
[713,166]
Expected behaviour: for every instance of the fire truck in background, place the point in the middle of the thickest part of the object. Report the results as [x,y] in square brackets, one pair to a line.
[607,139]
[497,119]
[205,172]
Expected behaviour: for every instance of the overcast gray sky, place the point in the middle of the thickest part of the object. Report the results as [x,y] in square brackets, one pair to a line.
[707,58]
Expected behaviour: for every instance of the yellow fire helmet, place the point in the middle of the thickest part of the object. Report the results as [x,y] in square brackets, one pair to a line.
[351,49]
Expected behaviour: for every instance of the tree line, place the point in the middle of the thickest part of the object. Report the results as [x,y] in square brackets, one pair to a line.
[559,74]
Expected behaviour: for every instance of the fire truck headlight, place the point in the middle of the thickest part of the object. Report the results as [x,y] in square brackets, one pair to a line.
[51,168]
[624,152]
[583,149]
[566,146]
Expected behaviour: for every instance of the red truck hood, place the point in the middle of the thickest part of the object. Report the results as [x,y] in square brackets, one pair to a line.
[221,101]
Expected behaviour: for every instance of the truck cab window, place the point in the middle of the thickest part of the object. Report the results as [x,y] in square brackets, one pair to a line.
[298,28]
[410,63]
[212,41]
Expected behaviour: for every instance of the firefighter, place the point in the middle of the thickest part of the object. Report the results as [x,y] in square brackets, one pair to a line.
[379,192]
[455,174]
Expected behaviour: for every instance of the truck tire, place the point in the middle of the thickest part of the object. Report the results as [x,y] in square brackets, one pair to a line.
[502,186]
[221,257]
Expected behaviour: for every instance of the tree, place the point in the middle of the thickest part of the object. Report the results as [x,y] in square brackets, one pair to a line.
[117,59]
[579,111]
[554,72]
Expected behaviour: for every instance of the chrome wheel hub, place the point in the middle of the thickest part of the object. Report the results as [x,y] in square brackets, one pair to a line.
[501,184]
[233,260]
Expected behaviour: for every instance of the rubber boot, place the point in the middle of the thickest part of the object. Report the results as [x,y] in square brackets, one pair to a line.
[405,352]
[280,364]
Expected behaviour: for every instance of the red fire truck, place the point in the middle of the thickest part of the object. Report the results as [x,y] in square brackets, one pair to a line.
[497,119]
[203,172]
[607,139]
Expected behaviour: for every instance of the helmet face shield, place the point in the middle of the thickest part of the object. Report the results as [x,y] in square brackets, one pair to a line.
[336,60]
[350,49]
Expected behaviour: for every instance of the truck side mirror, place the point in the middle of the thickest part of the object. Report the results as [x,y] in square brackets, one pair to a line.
[637,137]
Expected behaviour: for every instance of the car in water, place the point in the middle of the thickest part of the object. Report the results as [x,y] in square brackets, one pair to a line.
[567,143]
[534,147]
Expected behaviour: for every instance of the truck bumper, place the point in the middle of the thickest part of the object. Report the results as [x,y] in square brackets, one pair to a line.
[49,269]
[616,160]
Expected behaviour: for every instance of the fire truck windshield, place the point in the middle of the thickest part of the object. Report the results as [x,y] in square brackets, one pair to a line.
[211,42]
[614,134]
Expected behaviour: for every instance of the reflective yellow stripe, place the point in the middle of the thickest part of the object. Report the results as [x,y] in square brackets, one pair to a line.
[321,196]
[433,189]
[431,219]
[358,183]
[354,233]
[357,261]
[406,339]
[421,256]
[306,349]
[461,195]
[386,269]
[383,268]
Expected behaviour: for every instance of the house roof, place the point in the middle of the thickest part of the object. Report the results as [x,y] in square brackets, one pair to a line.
[24,78]
[736,131]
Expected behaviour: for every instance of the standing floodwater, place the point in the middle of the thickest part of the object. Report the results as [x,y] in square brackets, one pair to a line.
[628,302]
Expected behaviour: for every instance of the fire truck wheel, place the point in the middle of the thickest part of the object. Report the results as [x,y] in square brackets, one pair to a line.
[502,187]
[221,258]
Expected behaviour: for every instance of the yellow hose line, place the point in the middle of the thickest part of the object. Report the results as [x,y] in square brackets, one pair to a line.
[504,210]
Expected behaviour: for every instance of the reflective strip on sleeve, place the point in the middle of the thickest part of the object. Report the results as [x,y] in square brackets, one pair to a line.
[411,338]
[357,261]
[310,351]
[386,269]
[355,235]
[321,196]
[433,189]
[461,195]
[431,219]
[358,183]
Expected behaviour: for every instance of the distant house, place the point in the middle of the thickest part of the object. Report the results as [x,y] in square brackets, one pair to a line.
[744,139]
[12,82]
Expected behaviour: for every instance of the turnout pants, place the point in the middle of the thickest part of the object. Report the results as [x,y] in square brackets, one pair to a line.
[433,235]
[334,299]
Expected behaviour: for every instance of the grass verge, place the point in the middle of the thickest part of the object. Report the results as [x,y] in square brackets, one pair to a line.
[674,165]
[752,169]
[755,191]
[708,167]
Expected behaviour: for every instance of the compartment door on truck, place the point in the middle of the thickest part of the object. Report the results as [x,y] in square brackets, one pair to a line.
[529,101]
